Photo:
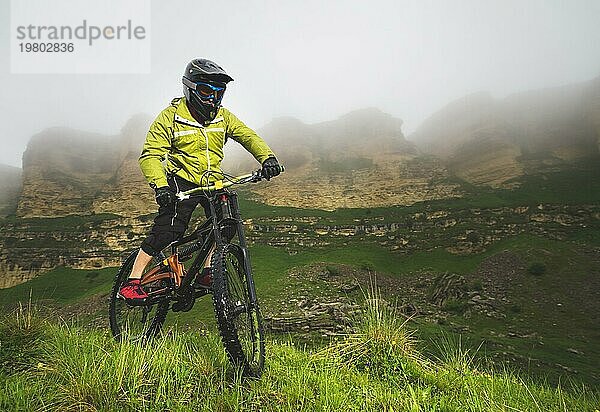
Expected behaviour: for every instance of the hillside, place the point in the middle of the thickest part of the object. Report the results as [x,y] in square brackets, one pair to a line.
[457,266]
[376,368]
[127,192]
[63,169]
[496,142]
[10,188]
[511,264]
[367,133]
[329,165]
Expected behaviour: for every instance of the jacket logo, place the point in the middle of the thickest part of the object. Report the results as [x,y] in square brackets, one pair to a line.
[184,133]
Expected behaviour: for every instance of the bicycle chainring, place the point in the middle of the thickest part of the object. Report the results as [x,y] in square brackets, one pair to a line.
[185,303]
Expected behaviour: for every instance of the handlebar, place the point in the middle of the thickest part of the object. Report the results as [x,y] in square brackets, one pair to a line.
[253,177]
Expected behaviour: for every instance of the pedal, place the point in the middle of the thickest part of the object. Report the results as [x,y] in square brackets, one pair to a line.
[201,292]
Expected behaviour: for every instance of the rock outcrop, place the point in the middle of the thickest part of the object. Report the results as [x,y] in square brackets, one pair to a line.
[495,142]
[68,171]
[10,188]
[30,247]
[390,183]
[359,160]
[63,169]
[489,161]
[127,193]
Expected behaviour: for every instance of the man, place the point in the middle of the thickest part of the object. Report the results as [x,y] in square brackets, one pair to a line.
[190,133]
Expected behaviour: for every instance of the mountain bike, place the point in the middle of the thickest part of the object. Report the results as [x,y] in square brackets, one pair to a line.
[170,285]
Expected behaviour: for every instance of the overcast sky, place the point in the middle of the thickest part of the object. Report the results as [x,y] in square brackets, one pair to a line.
[316,60]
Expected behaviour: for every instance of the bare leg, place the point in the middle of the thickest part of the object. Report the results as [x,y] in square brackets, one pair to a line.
[141,261]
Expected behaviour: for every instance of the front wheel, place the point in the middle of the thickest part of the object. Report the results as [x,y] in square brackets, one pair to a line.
[238,315]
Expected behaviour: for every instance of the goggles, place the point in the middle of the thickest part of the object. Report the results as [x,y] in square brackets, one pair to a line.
[205,91]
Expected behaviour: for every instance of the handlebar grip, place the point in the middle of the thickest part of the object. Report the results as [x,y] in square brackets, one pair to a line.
[259,171]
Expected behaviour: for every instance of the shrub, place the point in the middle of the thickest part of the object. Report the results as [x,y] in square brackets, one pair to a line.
[332,270]
[473,237]
[381,344]
[476,284]
[536,269]
[456,306]
[368,266]
[515,308]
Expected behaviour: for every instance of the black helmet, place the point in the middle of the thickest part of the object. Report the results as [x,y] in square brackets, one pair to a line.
[204,84]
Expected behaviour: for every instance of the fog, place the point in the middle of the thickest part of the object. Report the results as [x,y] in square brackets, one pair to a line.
[317,60]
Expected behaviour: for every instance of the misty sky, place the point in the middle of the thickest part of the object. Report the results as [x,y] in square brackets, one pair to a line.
[316,60]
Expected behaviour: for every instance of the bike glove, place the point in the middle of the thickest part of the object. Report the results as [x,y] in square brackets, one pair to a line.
[270,168]
[165,196]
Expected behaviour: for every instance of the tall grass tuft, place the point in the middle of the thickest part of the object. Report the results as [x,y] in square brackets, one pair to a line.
[382,343]
[97,371]
[21,334]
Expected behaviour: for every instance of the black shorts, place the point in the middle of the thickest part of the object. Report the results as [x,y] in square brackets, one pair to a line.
[171,222]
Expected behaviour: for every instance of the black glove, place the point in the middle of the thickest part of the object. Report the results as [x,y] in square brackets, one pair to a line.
[165,196]
[270,168]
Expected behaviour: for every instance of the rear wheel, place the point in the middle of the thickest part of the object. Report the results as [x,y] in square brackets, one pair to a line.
[134,323]
[238,317]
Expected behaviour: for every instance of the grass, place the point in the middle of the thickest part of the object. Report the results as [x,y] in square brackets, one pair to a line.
[61,285]
[377,368]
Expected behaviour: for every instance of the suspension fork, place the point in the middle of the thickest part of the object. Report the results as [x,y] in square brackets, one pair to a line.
[242,240]
[215,222]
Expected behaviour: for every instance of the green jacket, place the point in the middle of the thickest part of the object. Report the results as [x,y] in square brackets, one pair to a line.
[190,148]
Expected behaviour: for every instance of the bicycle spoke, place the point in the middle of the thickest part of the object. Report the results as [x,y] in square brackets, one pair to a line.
[134,323]
[240,327]
[145,312]
[234,296]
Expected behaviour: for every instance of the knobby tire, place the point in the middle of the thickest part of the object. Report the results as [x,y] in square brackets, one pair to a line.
[238,319]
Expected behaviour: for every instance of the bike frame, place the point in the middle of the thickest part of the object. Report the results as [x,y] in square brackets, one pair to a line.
[207,235]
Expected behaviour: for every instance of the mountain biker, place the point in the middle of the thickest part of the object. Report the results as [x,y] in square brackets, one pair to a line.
[190,134]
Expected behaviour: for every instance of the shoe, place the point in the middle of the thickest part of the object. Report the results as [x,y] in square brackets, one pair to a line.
[203,279]
[133,293]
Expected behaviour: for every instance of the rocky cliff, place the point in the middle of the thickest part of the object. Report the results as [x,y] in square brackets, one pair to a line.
[359,160]
[68,171]
[10,189]
[63,170]
[496,141]
[30,247]
[127,193]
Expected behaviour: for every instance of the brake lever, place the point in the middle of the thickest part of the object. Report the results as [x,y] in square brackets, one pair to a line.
[257,176]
